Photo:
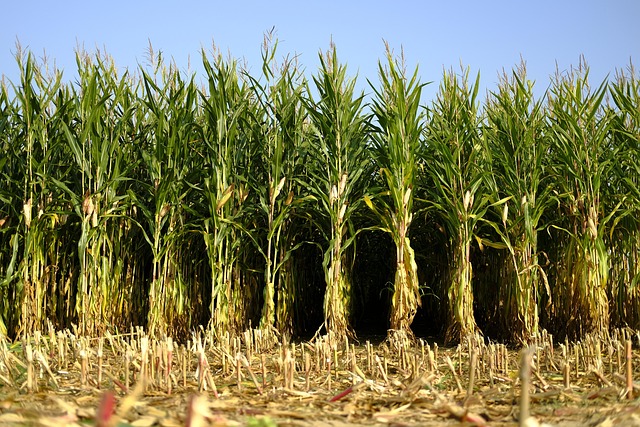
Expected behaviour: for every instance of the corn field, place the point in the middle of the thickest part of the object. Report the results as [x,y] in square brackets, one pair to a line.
[304,206]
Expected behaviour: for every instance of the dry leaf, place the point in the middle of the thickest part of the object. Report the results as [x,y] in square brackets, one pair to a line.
[145,421]
[10,417]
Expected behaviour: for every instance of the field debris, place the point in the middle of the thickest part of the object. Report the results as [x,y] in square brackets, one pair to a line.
[77,379]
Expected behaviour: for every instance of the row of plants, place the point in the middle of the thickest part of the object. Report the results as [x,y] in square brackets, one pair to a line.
[151,197]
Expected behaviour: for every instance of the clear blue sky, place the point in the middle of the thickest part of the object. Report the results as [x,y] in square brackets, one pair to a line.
[484,35]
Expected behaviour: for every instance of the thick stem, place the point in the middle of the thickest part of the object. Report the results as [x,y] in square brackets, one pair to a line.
[337,292]
[462,321]
[267,319]
[406,293]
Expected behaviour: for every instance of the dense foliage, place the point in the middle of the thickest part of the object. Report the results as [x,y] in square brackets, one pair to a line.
[154,198]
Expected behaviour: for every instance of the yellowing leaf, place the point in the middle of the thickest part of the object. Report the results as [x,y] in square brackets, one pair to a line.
[224,199]
[279,187]
[368,202]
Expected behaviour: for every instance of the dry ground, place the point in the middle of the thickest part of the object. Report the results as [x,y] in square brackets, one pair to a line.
[325,382]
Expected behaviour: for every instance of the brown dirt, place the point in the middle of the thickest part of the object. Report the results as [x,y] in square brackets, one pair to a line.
[394,385]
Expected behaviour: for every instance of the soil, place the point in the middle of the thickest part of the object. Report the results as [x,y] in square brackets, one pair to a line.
[321,383]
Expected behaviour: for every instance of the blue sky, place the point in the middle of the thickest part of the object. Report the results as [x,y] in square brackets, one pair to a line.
[487,36]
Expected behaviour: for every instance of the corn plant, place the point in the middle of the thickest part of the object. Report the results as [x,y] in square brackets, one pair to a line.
[338,176]
[396,145]
[30,192]
[279,116]
[582,163]
[518,145]
[97,138]
[624,238]
[457,169]
[10,190]
[147,199]
[168,155]
[224,186]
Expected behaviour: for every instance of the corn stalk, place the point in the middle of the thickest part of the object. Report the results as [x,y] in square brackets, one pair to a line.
[515,136]
[96,141]
[224,191]
[8,233]
[168,156]
[396,148]
[279,116]
[582,162]
[624,236]
[338,176]
[29,192]
[457,169]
